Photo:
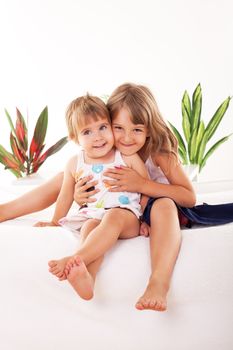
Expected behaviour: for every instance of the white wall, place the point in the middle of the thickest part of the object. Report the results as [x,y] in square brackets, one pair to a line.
[54,50]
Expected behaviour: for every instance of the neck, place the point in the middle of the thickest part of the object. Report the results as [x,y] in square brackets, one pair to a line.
[107,158]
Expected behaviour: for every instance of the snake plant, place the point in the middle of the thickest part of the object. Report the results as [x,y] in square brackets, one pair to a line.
[24,159]
[192,147]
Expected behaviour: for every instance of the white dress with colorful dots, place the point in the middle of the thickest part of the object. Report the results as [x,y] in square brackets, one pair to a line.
[104,199]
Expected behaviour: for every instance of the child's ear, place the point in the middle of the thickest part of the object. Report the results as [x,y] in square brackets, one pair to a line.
[73,138]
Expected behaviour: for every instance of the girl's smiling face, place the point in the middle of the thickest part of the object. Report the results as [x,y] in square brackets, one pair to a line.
[96,138]
[129,137]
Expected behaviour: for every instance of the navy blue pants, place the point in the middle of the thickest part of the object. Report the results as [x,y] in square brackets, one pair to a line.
[204,214]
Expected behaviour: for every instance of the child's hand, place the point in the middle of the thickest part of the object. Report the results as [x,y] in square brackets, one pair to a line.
[45,223]
[144,229]
[123,179]
[84,191]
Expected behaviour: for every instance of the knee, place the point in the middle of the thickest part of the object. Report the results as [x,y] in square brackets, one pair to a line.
[164,206]
[119,216]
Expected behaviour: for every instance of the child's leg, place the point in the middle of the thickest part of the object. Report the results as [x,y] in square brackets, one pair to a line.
[100,239]
[165,240]
[58,267]
[105,235]
[39,198]
[94,266]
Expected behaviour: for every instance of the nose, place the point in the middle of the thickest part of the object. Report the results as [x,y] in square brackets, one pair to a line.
[127,137]
[97,135]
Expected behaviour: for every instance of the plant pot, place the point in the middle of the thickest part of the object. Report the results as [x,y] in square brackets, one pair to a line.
[28,180]
[192,171]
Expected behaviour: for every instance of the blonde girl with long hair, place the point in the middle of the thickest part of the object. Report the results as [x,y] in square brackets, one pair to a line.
[139,127]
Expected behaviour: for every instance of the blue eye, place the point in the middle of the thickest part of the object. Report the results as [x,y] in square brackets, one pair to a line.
[103,127]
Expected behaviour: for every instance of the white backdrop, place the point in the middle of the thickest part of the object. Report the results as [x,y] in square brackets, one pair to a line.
[54,50]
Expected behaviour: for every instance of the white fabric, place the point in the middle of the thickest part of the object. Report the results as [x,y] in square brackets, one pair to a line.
[104,198]
[38,312]
[155,172]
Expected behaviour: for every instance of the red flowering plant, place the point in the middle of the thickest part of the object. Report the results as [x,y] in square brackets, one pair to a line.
[23,159]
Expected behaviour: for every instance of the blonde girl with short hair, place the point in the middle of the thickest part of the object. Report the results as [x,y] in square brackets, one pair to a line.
[89,126]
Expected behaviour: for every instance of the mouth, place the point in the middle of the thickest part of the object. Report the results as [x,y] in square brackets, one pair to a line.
[126,145]
[100,146]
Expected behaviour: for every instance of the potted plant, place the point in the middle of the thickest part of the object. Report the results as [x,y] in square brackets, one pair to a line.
[25,159]
[192,146]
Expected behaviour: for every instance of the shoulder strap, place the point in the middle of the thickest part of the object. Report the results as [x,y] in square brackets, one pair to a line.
[118,158]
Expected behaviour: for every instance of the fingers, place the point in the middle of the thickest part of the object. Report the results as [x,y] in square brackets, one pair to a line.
[89,194]
[84,180]
[84,190]
[83,186]
[114,175]
[111,183]
[117,172]
[42,224]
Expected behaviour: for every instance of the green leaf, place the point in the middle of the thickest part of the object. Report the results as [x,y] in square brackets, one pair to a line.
[201,148]
[179,137]
[18,155]
[15,172]
[10,122]
[57,146]
[193,147]
[196,107]
[212,149]
[186,105]
[53,149]
[186,125]
[200,134]
[9,160]
[217,117]
[41,128]
[21,131]
[183,156]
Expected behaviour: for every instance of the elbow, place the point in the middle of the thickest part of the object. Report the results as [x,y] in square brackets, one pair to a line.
[192,199]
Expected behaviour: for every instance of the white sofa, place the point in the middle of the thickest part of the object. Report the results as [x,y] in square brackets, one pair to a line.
[38,312]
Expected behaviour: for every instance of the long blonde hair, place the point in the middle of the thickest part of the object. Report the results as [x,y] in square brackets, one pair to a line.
[141,104]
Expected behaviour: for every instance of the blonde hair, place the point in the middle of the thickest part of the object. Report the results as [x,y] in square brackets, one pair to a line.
[83,110]
[143,109]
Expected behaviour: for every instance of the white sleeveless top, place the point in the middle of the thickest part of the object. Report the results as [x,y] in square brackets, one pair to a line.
[104,198]
[155,172]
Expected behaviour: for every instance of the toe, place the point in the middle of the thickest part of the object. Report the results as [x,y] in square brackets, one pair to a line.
[52,263]
[59,274]
[63,277]
[152,304]
[77,260]
[163,306]
[145,303]
[139,306]
[55,270]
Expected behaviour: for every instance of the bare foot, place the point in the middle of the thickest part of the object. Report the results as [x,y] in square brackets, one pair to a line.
[57,267]
[154,297]
[44,224]
[79,277]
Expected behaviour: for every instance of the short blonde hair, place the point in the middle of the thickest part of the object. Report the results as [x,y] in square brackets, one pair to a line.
[83,110]
[143,109]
